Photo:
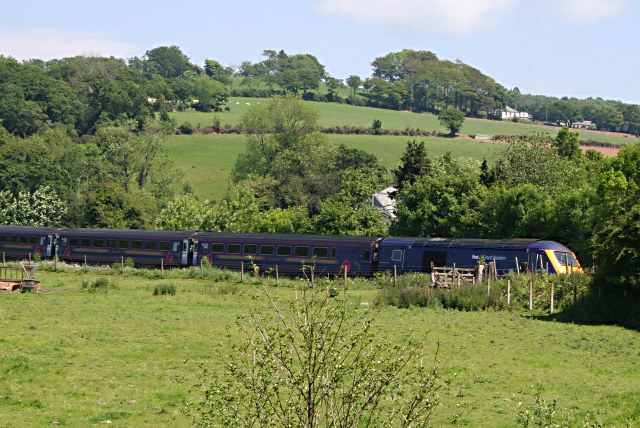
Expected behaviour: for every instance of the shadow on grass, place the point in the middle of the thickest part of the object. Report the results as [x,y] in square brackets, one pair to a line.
[602,307]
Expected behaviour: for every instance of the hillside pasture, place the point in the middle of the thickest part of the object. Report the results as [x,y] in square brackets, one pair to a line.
[206,161]
[82,356]
[335,115]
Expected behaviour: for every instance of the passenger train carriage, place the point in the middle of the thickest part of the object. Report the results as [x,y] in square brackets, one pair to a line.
[361,256]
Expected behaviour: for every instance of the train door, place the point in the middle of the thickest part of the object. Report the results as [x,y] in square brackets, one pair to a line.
[397,257]
[375,257]
[50,250]
[194,251]
[432,258]
[391,254]
[187,254]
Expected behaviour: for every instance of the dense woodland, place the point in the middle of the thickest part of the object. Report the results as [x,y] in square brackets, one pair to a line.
[80,145]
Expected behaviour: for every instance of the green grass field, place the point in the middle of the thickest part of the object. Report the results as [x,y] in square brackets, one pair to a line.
[207,160]
[80,358]
[333,114]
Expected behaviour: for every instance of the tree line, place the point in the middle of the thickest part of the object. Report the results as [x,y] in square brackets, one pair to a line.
[82,92]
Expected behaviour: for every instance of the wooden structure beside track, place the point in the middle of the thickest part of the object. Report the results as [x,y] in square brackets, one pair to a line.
[19,278]
[447,276]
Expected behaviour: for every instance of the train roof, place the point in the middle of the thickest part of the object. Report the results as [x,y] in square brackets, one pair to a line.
[284,237]
[507,244]
[27,230]
[124,233]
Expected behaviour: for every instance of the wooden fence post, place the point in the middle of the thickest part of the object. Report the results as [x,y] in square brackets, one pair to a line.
[345,273]
[161,267]
[517,267]
[508,292]
[530,295]
[85,263]
[55,262]
[488,288]
[277,277]
[551,305]
[122,264]
[395,276]
[4,262]
[241,271]
[201,269]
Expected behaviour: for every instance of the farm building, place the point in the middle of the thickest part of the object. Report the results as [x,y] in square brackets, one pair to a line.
[509,114]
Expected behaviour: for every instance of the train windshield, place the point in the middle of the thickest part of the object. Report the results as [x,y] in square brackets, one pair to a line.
[567,259]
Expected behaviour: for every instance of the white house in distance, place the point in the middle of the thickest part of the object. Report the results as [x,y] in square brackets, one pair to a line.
[509,114]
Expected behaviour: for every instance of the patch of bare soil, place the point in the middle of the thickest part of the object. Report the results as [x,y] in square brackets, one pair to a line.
[609,152]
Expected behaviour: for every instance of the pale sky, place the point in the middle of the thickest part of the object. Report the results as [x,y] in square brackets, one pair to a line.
[580,48]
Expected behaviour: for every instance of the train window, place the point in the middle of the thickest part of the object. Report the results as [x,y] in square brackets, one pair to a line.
[13,239]
[266,250]
[64,241]
[150,245]
[98,243]
[334,252]
[396,255]
[23,240]
[366,254]
[42,239]
[250,249]
[74,242]
[233,248]
[284,250]
[164,246]
[33,240]
[137,245]
[111,243]
[175,246]
[572,260]
[320,252]
[123,244]
[204,247]
[3,239]
[217,248]
[302,252]
[85,242]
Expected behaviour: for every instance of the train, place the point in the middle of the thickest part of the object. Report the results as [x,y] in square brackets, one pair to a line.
[289,253]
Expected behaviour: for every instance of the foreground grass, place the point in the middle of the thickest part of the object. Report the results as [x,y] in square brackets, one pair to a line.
[120,354]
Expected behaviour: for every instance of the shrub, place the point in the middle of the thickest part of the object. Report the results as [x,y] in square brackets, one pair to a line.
[186,128]
[313,362]
[216,123]
[164,290]
[101,283]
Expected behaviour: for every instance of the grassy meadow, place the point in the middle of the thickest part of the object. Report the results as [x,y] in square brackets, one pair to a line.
[84,356]
[334,114]
[207,160]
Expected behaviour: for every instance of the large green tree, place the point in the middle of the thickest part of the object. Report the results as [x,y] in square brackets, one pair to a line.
[414,164]
[443,203]
[452,119]
[167,61]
